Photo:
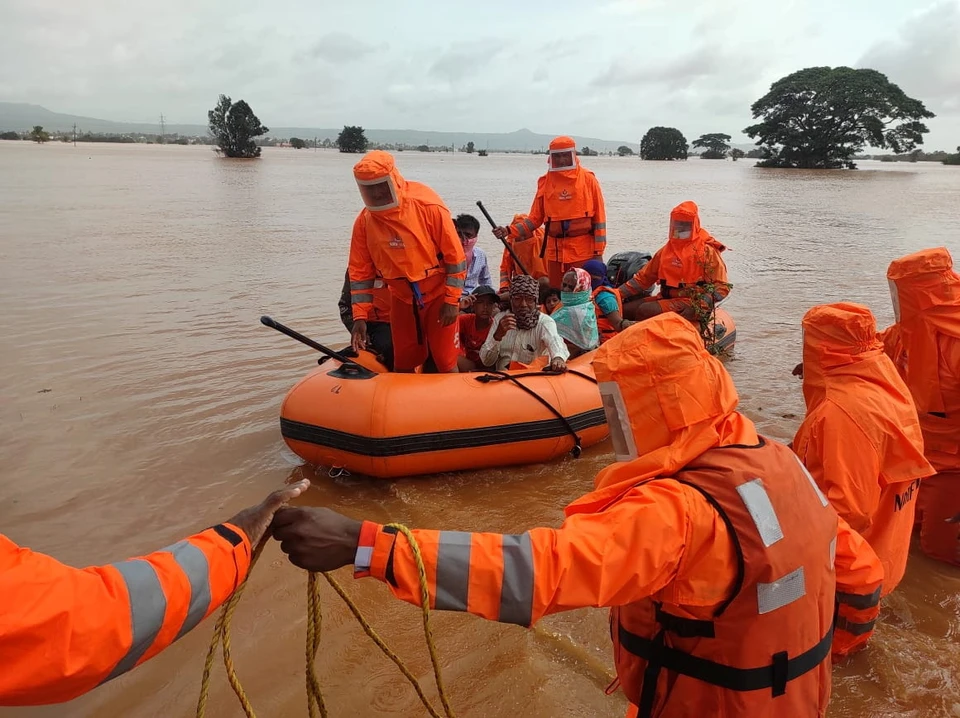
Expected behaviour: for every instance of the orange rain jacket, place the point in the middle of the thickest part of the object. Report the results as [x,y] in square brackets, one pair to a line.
[926,294]
[414,243]
[714,530]
[528,250]
[570,204]
[64,631]
[861,442]
[682,263]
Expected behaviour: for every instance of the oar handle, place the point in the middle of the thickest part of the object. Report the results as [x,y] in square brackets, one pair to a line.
[273,324]
[493,224]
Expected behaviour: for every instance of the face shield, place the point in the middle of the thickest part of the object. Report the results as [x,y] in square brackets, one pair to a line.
[680,229]
[379,194]
[895,298]
[563,160]
[618,421]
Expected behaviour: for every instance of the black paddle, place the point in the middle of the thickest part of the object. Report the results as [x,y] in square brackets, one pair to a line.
[493,224]
[269,322]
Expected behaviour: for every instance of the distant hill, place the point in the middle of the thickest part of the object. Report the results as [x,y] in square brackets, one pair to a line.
[20,117]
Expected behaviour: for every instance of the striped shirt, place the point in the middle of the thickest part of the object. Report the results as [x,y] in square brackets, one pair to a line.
[478,272]
[523,345]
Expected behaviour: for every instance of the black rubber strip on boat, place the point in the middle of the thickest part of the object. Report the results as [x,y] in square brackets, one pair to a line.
[439,440]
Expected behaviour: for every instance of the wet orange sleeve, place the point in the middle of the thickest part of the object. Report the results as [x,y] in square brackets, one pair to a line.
[506,265]
[642,280]
[859,582]
[362,271]
[843,462]
[599,220]
[535,217]
[450,251]
[72,629]
[623,554]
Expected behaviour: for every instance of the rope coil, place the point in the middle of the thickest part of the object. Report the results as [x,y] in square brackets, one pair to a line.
[315,704]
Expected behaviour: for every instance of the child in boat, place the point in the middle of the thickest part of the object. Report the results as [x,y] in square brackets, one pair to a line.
[551,301]
[475,327]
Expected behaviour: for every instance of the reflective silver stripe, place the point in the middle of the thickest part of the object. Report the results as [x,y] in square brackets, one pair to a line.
[361,298]
[780,593]
[755,498]
[858,600]
[529,226]
[455,281]
[516,593]
[193,562]
[456,268]
[363,558]
[147,607]
[857,629]
[823,499]
[599,225]
[833,552]
[364,284]
[453,571]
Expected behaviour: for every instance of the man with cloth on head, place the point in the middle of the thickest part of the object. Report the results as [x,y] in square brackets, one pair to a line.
[569,204]
[710,543]
[405,235]
[861,442]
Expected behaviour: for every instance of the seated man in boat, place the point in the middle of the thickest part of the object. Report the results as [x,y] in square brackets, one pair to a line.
[475,327]
[717,554]
[689,269]
[478,271]
[378,321]
[405,235]
[576,319]
[524,333]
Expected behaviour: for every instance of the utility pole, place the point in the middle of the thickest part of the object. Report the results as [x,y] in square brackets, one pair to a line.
[74,134]
[163,130]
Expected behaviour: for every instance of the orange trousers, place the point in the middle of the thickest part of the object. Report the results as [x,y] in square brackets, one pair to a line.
[938,501]
[411,349]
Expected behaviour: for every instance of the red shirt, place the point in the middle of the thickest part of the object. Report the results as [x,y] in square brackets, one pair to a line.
[471,338]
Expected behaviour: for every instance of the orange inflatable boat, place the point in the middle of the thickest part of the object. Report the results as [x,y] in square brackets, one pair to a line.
[357,416]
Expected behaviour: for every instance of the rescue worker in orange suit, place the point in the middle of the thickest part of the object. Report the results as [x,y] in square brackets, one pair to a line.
[405,236]
[861,442]
[683,267]
[64,631]
[569,205]
[926,301]
[528,250]
[710,543]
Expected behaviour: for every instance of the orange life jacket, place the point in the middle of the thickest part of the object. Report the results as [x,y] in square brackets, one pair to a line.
[606,329]
[766,650]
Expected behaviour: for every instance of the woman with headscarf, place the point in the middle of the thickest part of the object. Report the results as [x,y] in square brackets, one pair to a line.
[523,334]
[606,301]
[576,318]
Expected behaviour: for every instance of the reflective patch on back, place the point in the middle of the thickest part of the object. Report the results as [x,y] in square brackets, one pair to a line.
[833,552]
[755,498]
[771,596]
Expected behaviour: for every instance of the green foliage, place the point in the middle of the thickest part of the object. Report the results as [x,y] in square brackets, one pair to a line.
[587,152]
[482,153]
[352,139]
[715,146]
[233,126]
[470,148]
[9,136]
[38,135]
[624,151]
[820,117]
[704,296]
[297,144]
[736,153]
[953,159]
[423,148]
[663,143]
[756,154]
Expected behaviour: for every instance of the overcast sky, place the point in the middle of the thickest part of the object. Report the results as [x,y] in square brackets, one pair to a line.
[601,68]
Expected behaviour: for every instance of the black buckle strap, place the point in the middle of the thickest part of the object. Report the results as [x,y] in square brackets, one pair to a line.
[684,627]
[774,676]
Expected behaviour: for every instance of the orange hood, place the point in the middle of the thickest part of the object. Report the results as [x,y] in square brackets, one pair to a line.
[844,362]
[565,192]
[681,258]
[680,400]
[926,298]
[380,165]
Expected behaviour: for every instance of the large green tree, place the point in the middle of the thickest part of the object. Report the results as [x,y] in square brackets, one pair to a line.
[714,145]
[38,135]
[663,143]
[820,117]
[736,153]
[624,151]
[297,144]
[233,126]
[352,139]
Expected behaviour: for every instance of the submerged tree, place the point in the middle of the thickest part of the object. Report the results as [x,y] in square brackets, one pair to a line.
[715,146]
[624,151]
[352,139]
[663,143]
[820,117]
[736,153]
[38,135]
[233,126]
[297,144]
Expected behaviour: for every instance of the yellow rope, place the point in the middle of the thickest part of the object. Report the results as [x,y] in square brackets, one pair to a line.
[315,704]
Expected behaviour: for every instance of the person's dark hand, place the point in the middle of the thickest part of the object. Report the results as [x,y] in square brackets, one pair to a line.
[467,302]
[798,370]
[558,365]
[358,337]
[501,232]
[316,539]
[448,314]
[506,324]
[254,521]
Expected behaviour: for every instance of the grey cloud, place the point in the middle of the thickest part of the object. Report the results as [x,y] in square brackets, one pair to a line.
[681,71]
[925,59]
[541,75]
[339,47]
[463,60]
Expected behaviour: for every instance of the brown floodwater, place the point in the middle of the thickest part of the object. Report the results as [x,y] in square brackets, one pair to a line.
[139,400]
